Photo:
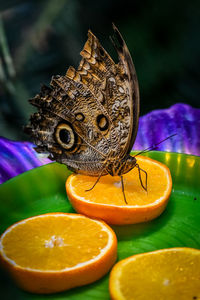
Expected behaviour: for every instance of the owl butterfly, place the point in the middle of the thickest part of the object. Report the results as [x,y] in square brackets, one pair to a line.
[88,118]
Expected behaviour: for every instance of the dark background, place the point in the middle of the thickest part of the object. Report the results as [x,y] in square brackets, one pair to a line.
[39,39]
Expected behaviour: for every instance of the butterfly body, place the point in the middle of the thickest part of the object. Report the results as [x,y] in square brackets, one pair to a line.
[120,167]
[88,118]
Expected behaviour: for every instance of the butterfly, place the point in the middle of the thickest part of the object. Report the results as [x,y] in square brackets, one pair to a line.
[88,118]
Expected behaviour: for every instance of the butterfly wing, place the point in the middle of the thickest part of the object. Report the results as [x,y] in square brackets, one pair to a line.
[65,125]
[78,119]
[130,84]
[116,87]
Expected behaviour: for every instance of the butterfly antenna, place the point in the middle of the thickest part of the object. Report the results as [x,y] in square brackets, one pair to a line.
[154,146]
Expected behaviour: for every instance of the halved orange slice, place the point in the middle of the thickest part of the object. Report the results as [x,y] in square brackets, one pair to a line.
[57,251]
[164,274]
[106,201]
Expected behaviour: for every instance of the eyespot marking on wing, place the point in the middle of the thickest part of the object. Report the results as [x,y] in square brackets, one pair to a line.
[79,117]
[65,136]
[102,122]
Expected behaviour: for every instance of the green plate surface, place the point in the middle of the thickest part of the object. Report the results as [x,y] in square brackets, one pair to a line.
[42,190]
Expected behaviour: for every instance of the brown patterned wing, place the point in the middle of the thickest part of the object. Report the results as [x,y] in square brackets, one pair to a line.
[85,116]
[65,126]
[131,108]
[115,86]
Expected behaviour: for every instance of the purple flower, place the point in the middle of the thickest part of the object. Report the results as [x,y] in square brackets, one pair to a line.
[17,157]
[181,119]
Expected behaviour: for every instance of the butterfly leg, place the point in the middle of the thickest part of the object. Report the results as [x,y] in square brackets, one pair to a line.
[96,181]
[122,181]
[140,177]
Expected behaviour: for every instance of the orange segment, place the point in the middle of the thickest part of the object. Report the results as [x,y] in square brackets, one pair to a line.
[106,200]
[164,274]
[54,252]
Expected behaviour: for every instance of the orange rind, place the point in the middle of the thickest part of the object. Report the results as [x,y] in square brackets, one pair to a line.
[57,251]
[105,201]
[163,274]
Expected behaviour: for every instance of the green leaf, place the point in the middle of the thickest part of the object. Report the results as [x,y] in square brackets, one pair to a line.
[42,190]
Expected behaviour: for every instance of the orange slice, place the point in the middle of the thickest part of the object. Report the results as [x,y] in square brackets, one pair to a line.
[57,251]
[106,201]
[164,274]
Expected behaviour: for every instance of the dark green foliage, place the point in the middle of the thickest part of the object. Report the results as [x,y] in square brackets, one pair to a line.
[39,39]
